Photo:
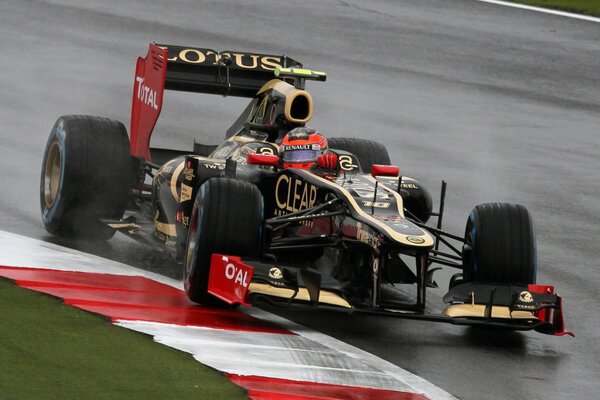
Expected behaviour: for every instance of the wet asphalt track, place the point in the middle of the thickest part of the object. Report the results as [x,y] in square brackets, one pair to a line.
[504,104]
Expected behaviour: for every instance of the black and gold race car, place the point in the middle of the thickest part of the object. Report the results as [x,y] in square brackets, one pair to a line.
[248,231]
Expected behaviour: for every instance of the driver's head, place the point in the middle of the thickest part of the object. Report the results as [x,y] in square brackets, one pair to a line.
[301,147]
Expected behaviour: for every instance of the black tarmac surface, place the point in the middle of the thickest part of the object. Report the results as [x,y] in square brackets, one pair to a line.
[504,104]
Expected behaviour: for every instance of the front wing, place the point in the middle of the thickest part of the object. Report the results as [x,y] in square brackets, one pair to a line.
[249,282]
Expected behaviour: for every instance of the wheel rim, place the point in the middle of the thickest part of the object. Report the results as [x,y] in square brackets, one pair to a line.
[52,174]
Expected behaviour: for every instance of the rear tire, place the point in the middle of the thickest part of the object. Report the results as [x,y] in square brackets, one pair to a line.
[226,218]
[368,152]
[500,245]
[85,176]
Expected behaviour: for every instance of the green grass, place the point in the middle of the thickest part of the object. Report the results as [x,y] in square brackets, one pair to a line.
[52,351]
[588,7]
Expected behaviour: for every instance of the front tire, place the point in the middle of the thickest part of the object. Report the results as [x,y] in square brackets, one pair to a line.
[226,218]
[85,176]
[500,245]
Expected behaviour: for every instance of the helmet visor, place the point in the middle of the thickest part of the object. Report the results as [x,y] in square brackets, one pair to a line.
[300,156]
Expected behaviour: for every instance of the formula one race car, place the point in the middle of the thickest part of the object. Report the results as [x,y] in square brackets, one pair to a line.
[248,230]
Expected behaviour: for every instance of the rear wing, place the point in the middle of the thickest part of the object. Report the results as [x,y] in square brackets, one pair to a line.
[191,69]
[229,73]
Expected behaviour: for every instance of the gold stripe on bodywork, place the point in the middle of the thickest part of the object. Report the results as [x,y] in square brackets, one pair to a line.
[478,311]
[325,296]
[167,229]
[123,226]
[278,85]
[397,236]
[174,179]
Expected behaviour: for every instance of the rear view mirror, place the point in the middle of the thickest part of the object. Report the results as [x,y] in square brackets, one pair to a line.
[262,159]
[384,170]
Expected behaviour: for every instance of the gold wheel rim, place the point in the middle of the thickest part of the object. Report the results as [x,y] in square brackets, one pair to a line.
[52,174]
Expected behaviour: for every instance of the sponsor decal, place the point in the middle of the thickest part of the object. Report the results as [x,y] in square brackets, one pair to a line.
[235,274]
[241,155]
[186,192]
[301,147]
[525,297]
[275,273]
[210,57]
[293,194]
[298,135]
[367,237]
[408,186]
[268,151]
[182,219]
[376,204]
[214,166]
[188,173]
[415,239]
[347,163]
[145,94]
[229,278]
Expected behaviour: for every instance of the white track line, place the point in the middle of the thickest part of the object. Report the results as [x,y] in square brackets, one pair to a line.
[419,384]
[542,10]
[292,357]
[21,251]
[310,356]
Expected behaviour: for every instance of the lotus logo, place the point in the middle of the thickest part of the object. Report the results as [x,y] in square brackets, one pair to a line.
[525,297]
[275,273]
[415,239]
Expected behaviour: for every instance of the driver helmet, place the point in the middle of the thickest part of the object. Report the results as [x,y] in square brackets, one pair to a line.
[301,147]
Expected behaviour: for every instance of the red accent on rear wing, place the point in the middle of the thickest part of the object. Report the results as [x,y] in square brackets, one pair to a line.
[148,89]
[553,316]
[229,279]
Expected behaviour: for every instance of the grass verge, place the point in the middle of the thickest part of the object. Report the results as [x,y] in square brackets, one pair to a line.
[49,350]
[587,7]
